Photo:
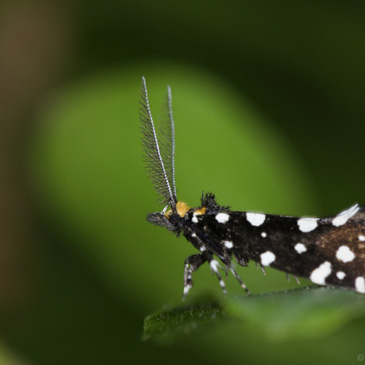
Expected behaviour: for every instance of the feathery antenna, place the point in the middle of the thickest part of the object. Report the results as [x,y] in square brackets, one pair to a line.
[172,125]
[166,139]
[153,156]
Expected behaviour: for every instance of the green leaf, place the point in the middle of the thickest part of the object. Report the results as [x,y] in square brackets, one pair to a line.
[184,319]
[280,316]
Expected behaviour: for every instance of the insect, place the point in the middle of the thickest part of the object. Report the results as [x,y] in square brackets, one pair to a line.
[328,251]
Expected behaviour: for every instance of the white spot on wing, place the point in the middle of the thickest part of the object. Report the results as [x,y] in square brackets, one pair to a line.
[256,219]
[341,275]
[307,224]
[360,284]
[267,258]
[202,249]
[345,254]
[193,235]
[222,217]
[319,275]
[194,219]
[228,244]
[361,238]
[344,216]
[300,248]
[263,234]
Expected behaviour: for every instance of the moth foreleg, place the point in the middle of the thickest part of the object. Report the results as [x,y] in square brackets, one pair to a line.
[192,263]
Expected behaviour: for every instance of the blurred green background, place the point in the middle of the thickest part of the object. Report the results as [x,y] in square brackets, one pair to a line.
[269,112]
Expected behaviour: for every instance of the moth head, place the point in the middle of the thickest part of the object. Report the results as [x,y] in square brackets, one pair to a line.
[171,218]
[160,219]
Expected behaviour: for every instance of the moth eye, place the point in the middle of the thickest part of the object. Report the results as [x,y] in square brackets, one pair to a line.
[174,218]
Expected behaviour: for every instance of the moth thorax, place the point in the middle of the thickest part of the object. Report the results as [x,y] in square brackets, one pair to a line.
[200,211]
[182,208]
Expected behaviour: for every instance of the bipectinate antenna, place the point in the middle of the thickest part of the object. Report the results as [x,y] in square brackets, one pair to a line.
[166,137]
[159,154]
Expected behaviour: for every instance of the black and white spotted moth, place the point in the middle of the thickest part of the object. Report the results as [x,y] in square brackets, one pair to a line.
[328,251]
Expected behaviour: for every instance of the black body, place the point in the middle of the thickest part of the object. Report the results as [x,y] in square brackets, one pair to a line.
[328,251]
[278,235]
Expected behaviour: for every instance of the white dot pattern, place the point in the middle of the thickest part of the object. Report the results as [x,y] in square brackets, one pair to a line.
[319,275]
[267,258]
[300,248]
[228,244]
[345,254]
[256,219]
[360,284]
[222,217]
[307,224]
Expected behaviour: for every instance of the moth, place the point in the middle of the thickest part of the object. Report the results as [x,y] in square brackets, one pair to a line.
[328,251]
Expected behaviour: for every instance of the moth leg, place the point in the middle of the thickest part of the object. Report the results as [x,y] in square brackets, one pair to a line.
[295,277]
[263,269]
[226,271]
[214,265]
[243,285]
[192,263]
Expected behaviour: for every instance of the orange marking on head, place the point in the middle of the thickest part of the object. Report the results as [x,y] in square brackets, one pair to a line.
[200,211]
[182,208]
